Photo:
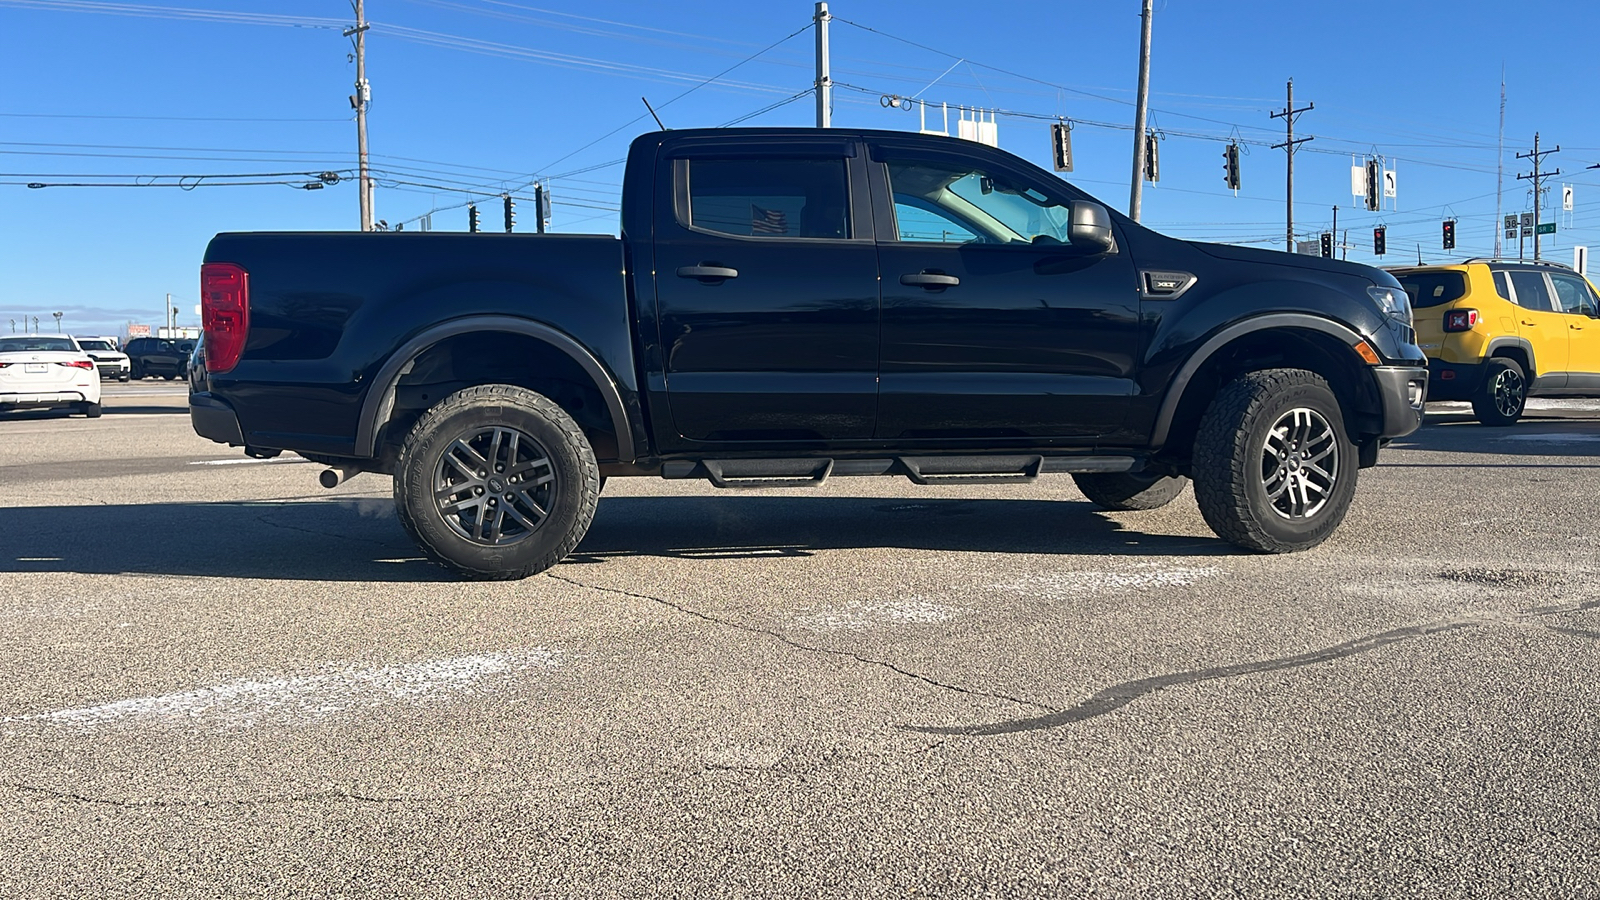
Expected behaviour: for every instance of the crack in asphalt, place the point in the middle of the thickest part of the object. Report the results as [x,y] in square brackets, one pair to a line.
[1120,695]
[751,629]
[201,804]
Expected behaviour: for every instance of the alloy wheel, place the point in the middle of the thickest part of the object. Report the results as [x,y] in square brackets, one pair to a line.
[494,486]
[1299,463]
[1508,389]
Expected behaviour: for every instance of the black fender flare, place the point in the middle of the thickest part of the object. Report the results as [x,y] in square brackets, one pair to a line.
[379,401]
[1521,343]
[1180,381]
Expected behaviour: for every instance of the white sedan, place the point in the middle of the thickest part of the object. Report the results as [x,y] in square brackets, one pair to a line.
[47,370]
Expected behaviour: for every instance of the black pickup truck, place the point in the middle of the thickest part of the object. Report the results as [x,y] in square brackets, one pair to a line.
[785,306]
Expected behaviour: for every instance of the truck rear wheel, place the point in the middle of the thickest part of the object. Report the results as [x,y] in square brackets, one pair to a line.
[1274,470]
[1129,491]
[496,482]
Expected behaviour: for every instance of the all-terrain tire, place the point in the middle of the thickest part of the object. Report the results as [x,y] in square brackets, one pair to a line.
[1274,470]
[1504,394]
[1128,490]
[496,482]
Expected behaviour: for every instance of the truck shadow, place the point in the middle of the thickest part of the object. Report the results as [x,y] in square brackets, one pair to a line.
[353,539]
[734,526]
[344,539]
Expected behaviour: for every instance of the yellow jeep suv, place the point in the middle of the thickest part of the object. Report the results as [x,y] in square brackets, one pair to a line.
[1497,332]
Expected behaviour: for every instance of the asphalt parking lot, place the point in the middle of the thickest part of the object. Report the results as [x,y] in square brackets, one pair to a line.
[218,679]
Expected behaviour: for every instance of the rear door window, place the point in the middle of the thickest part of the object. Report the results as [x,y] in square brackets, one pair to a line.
[1433,288]
[770,198]
[1531,291]
[1572,295]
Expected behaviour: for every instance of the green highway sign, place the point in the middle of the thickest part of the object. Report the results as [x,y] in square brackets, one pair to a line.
[1547,228]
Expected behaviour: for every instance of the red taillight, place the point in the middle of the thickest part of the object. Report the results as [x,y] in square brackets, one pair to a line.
[1460,319]
[76,363]
[224,313]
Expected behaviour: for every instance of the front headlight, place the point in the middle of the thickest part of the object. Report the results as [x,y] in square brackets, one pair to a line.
[1394,303]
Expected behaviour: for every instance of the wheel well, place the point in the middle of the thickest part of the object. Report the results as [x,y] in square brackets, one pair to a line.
[1292,348]
[1519,354]
[495,357]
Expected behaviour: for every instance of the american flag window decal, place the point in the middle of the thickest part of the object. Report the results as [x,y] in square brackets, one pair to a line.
[768,221]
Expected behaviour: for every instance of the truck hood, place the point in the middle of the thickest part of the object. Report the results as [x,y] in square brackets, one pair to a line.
[1291,260]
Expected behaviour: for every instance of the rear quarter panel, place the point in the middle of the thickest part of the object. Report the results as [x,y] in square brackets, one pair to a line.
[328,309]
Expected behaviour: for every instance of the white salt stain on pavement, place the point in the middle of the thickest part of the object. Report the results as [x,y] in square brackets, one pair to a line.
[858,616]
[1063,585]
[305,698]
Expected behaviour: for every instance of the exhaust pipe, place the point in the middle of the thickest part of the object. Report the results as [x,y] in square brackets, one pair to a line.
[332,478]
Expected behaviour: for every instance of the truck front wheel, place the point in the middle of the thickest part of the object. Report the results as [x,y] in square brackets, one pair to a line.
[496,482]
[1274,470]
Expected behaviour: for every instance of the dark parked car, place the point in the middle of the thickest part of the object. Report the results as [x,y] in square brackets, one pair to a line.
[161,357]
[786,306]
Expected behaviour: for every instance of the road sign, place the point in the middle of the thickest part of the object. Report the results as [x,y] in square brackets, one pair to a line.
[1527,220]
[1511,221]
[1547,228]
[1580,259]
[1566,197]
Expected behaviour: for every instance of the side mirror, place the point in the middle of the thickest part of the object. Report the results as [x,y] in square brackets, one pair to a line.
[1089,227]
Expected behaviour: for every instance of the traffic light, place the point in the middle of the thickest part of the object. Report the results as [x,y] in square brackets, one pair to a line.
[1230,166]
[541,207]
[1374,185]
[1379,241]
[1327,245]
[472,218]
[1449,234]
[1061,146]
[511,213]
[1152,158]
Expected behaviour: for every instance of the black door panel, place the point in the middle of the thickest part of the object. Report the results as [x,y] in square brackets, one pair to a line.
[767,296]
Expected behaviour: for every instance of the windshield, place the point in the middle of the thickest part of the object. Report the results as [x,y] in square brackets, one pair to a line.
[96,345]
[26,344]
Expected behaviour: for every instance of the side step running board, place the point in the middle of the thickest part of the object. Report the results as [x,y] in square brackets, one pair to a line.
[764,473]
[971,469]
[813,472]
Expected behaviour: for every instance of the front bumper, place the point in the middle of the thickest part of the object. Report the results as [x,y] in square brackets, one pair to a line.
[115,369]
[1403,389]
[215,419]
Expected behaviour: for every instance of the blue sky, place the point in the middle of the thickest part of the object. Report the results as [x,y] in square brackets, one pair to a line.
[488,94]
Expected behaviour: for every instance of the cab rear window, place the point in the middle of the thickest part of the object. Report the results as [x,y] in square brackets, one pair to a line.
[1433,288]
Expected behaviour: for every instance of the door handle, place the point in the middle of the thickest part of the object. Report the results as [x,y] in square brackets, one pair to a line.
[707,273]
[1530,324]
[930,280]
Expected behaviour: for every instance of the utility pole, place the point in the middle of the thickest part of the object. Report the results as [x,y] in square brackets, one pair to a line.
[1140,109]
[1500,164]
[1538,178]
[359,101]
[1288,114]
[824,83]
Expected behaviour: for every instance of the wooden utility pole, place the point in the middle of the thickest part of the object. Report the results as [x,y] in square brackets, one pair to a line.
[1538,181]
[359,101]
[1140,109]
[824,82]
[1288,114]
